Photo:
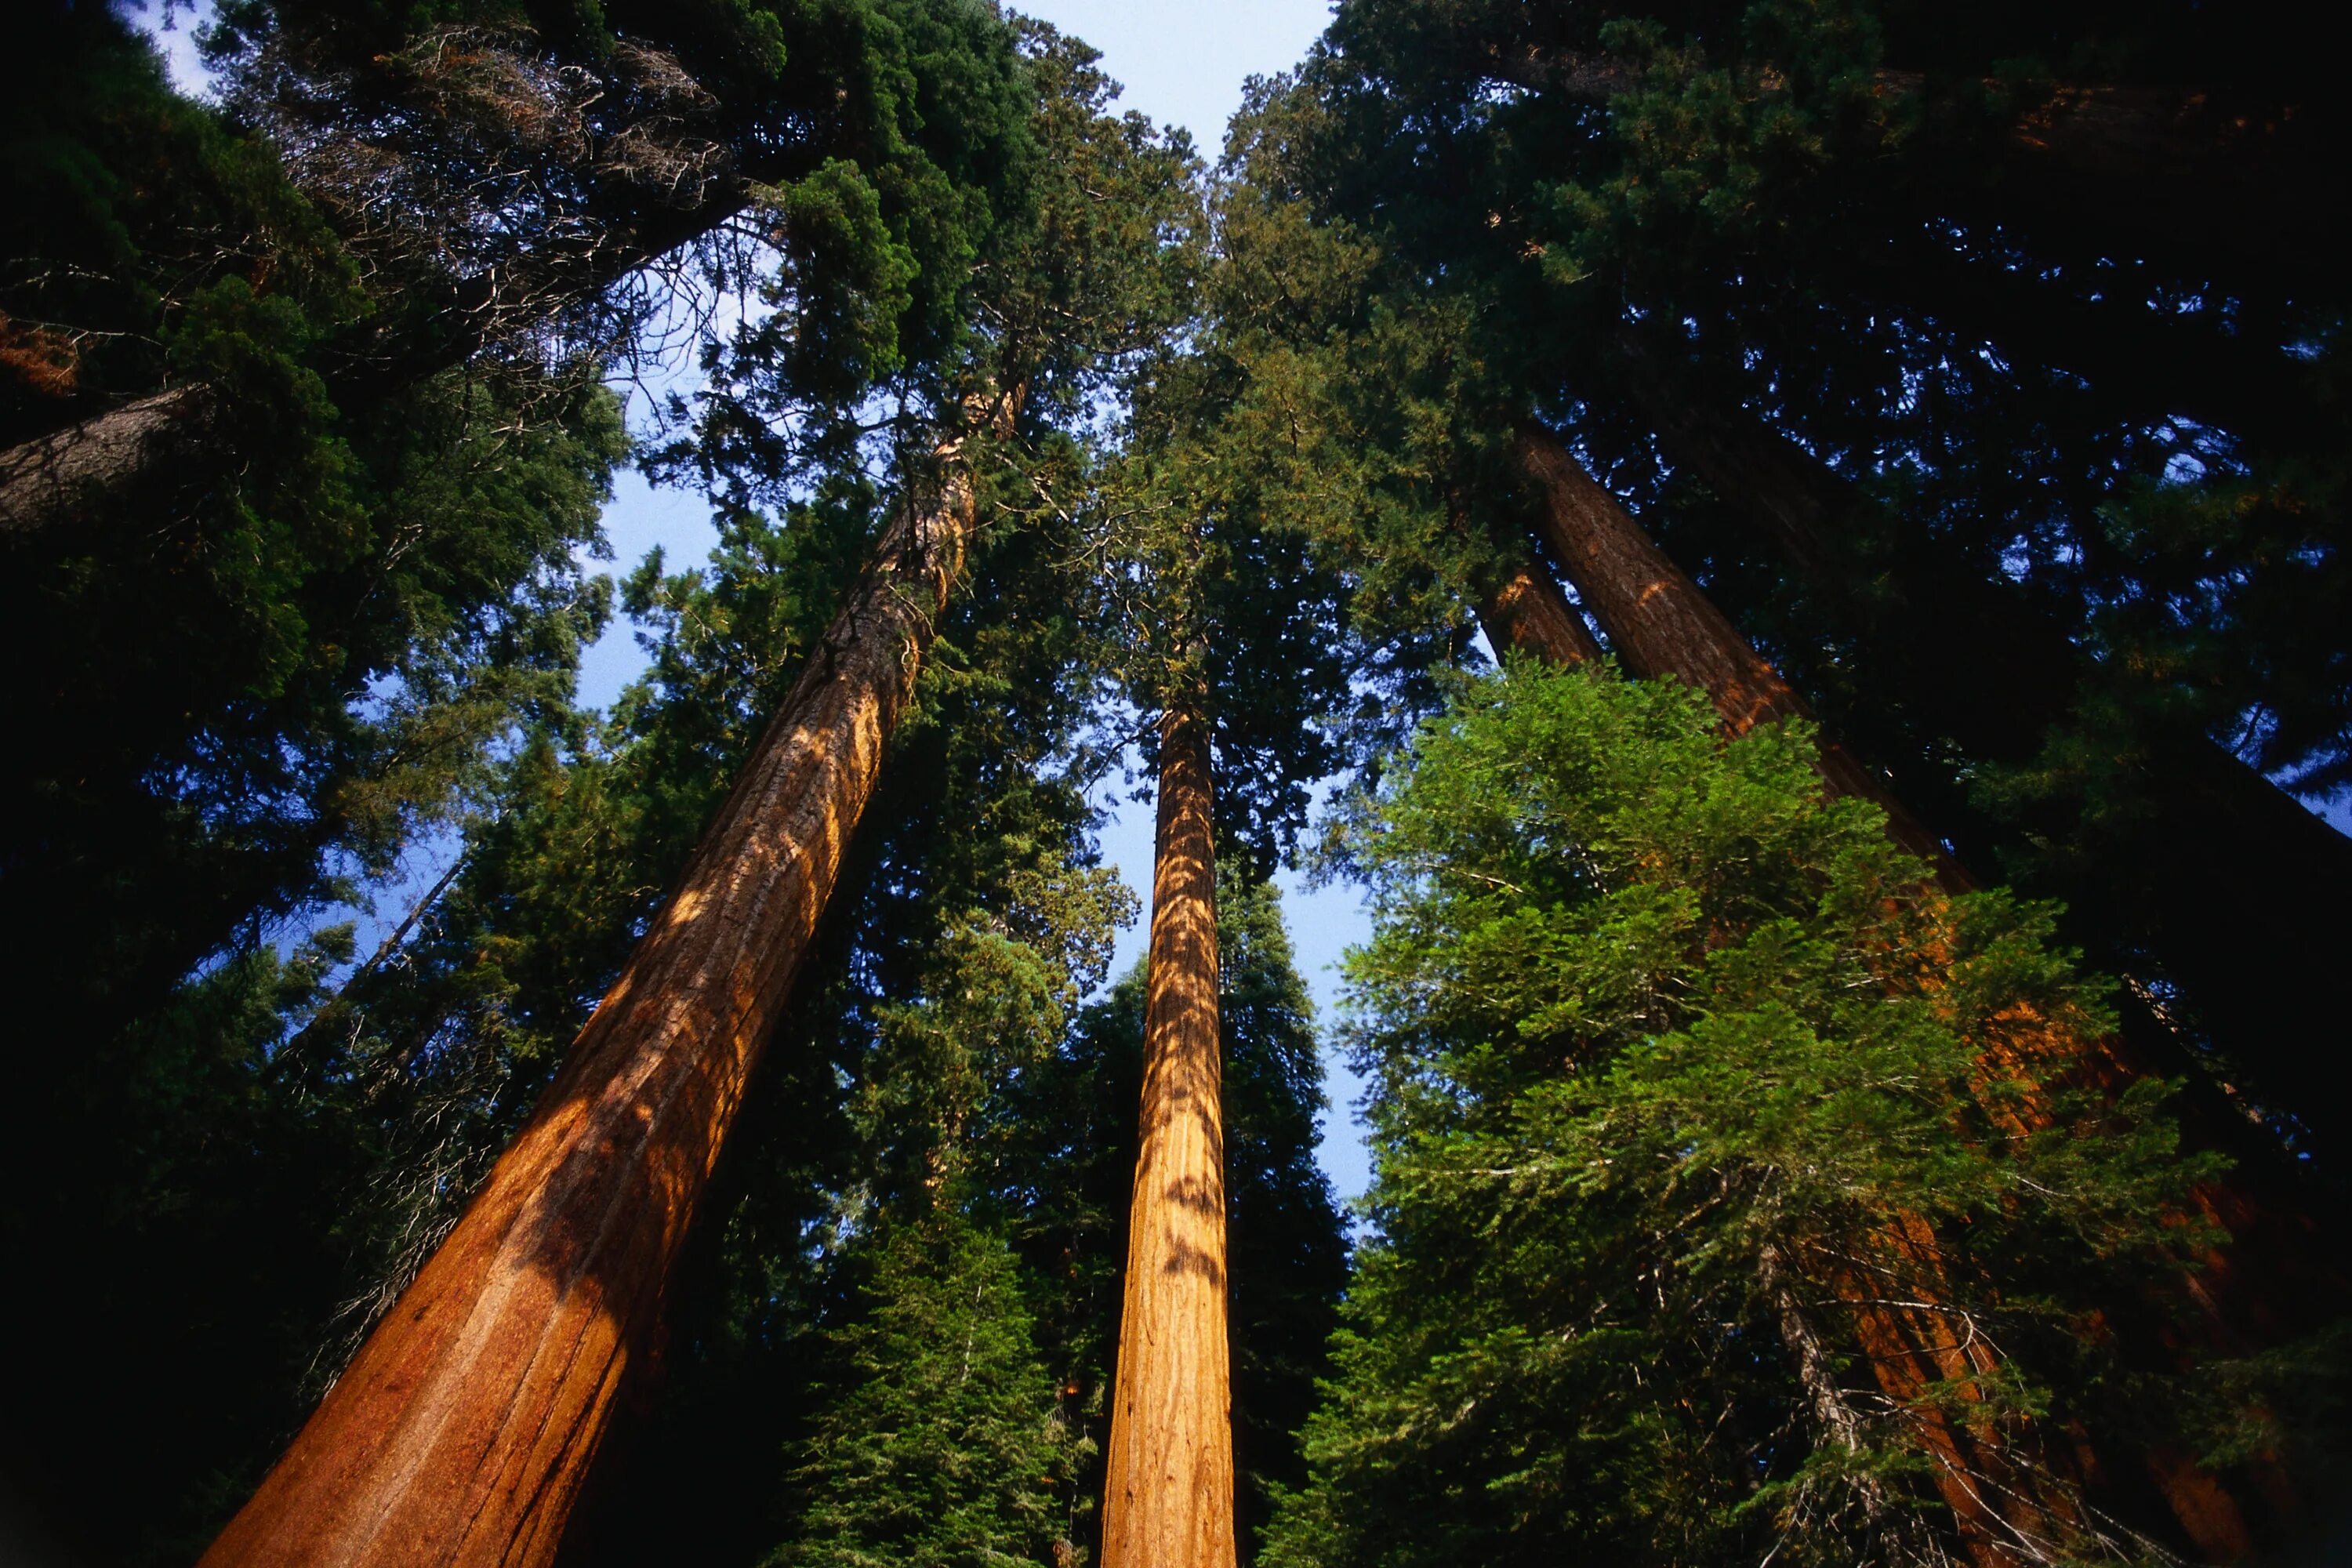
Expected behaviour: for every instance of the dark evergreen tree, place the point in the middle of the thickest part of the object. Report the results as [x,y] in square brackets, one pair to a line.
[1800,274]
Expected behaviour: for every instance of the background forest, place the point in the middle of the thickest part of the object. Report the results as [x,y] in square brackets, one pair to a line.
[1793,552]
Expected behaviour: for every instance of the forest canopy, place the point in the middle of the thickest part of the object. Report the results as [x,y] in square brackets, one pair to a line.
[1793,554]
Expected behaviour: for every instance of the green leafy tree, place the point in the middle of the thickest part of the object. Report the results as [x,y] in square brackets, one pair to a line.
[1665,1047]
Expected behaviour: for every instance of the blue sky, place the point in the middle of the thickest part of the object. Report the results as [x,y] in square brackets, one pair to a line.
[1181,65]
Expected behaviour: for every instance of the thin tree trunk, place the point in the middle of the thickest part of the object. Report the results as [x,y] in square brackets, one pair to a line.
[461,1432]
[1530,614]
[1167,1495]
[2244,896]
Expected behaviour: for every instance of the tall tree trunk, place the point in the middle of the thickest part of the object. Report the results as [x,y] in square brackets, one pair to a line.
[1168,1496]
[2245,897]
[1662,625]
[462,1430]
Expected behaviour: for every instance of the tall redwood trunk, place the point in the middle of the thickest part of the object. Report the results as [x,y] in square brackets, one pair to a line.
[462,1430]
[1167,1495]
[2244,898]
[1659,625]
[1662,625]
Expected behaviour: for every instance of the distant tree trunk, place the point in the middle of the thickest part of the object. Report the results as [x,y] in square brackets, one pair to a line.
[1530,614]
[462,1430]
[1167,1495]
[1662,625]
[2241,904]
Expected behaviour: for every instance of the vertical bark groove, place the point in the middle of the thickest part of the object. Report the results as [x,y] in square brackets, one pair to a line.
[463,1428]
[1167,1495]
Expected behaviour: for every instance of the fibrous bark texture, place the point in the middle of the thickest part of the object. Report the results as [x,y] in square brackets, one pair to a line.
[463,1429]
[1168,1496]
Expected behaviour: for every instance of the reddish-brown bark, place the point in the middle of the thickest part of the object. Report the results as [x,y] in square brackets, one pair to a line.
[1976,663]
[461,1432]
[1530,614]
[1167,1494]
[1661,625]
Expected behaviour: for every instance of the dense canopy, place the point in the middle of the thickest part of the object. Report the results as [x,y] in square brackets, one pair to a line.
[1794,553]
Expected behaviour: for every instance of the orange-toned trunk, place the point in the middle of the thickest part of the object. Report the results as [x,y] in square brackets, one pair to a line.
[461,1432]
[1661,625]
[1167,1495]
[1530,614]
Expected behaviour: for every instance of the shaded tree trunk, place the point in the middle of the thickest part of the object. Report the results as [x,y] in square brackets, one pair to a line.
[1662,625]
[462,1430]
[1530,614]
[1168,1493]
[2244,898]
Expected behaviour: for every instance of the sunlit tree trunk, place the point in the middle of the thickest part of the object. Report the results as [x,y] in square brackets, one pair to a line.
[1530,614]
[1167,1494]
[462,1430]
[1660,625]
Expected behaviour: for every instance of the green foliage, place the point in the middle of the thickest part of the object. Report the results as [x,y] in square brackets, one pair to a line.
[1664,1047]
[1827,223]
[939,1443]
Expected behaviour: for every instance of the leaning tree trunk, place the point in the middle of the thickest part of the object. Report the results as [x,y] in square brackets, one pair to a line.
[1530,614]
[1167,1495]
[461,1432]
[2246,894]
[1661,625]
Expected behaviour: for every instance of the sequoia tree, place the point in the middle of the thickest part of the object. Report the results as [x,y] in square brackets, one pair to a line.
[495,1373]
[1573,1077]
[1834,232]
